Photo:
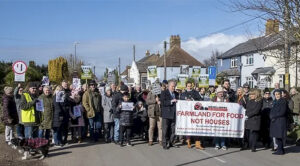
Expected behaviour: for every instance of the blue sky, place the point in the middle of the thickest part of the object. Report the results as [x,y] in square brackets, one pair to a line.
[43,29]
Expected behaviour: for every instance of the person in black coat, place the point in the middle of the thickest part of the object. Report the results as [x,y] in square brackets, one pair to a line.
[168,99]
[278,116]
[253,113]
[58,117]
[265,119]
[228,92]
[126,120]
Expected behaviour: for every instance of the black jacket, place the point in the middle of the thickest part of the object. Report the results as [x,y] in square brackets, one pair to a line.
[253,113]
[278,116]
[168,109]
[61,113]
[192,95]
[116,100]
[230,94]
[265,113]
[126,117]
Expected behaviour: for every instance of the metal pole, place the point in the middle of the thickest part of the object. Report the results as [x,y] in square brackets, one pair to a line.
[119,70]
[165,63]
[133,52]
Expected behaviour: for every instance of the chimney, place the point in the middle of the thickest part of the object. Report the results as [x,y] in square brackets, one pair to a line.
[175,41]
[272,27]
[147,53]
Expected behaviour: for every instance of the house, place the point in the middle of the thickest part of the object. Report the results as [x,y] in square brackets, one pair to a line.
[259,61]
[175,57]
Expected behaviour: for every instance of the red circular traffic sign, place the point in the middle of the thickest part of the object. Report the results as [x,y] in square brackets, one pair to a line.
[19,67]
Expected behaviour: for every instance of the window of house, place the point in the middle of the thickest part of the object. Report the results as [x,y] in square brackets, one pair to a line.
[249,59]
[144,82]
[250,81]
[234,62]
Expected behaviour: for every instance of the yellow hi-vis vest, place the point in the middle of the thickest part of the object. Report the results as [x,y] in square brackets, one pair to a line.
[28,116]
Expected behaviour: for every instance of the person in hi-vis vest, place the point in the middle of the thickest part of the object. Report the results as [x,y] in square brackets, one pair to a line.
[29,117]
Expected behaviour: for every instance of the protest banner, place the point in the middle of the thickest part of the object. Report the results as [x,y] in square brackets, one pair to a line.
[86,72]
[203,81]
[152,71]
[206,118]
[39,105]
[127,106]
[182,79]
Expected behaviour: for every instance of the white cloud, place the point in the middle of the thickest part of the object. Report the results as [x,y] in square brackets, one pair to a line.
[105,53]
[202,48]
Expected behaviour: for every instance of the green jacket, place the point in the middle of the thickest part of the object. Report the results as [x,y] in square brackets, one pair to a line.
[46,116]
[296,100]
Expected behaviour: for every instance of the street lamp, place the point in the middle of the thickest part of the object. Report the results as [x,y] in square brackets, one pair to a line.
[75,45]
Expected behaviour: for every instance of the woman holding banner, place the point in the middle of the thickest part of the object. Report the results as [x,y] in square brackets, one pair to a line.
[220,98]
[253,117]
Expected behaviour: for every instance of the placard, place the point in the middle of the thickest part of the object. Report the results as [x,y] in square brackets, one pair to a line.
[77,111]
[60,96]
[184,69]
[76,84]
[39,105]
[86,72]
[156,89]
[182,79]
[127,106]
[45,81]
[152,71]
[203,81]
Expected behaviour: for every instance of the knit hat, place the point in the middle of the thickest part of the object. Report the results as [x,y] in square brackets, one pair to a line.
[219,89]
[124,88]
[8,90]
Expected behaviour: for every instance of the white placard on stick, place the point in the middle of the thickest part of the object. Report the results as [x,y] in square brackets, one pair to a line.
[127,106]
[60,96]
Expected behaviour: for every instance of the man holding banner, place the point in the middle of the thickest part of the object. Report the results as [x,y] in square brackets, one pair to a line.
[169,99]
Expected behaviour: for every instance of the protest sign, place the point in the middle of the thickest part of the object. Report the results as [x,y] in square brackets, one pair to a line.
[39,105]
[213,119]
[181,81]
[196,71]
[111,77]
[45,80]
[77,111]
[86,72]
[203,80]
[60,96]
[212,75]
[184,69]
[76,84]
[152,71]
[127,106]
[156,89]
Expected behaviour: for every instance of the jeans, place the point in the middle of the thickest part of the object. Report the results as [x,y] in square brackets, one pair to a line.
[20,130]
[46,132]
[95,126]
[31,131]
[117,130]
[57,135]
[219,140]
[9,133]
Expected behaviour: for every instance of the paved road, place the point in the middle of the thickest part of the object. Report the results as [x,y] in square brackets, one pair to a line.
[89,154]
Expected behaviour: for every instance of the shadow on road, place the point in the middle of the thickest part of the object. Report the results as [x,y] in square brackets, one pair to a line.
[58,153]
[73,146]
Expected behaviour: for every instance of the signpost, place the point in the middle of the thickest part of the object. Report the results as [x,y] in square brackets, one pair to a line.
[19,68]
[212,74]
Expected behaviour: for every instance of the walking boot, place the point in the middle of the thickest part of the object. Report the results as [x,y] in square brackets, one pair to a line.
[199,146]
[189,145]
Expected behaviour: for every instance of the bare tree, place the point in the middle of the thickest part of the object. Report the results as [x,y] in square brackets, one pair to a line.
[212,60]
[287,13]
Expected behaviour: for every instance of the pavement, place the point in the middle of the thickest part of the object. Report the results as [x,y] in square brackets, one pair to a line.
[91,154]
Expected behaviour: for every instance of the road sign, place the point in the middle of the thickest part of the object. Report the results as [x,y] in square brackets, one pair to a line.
[19,67]
[19,77]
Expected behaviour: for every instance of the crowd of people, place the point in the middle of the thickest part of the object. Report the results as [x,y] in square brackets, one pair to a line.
[87,114]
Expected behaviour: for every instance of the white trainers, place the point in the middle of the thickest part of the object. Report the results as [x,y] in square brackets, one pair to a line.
[217,147]
[224,148]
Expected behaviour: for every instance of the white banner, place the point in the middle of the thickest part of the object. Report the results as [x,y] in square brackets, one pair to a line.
[206,118]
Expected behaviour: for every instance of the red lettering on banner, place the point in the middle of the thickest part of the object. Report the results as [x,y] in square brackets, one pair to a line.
[196,121]
[216,122]
[233,115]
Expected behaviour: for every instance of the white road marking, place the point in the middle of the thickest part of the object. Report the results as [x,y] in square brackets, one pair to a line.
[211,155]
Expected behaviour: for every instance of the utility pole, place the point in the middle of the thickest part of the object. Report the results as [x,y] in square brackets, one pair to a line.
[119,66]
[133,52]
[75,58]
[165,63]
[286,43]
